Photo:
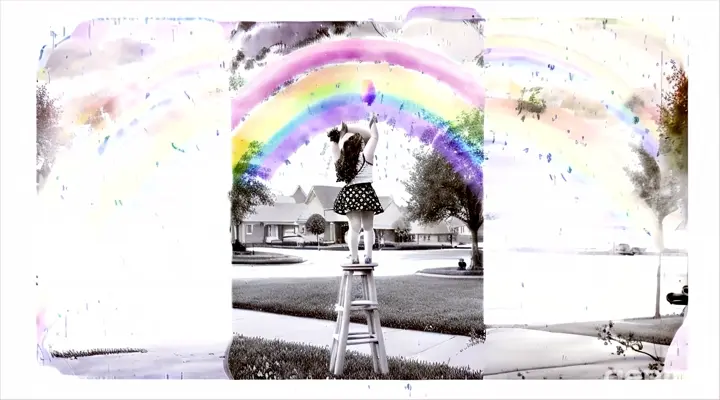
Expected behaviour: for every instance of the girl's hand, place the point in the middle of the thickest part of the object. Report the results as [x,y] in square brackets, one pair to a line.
[334,135]
[373,120]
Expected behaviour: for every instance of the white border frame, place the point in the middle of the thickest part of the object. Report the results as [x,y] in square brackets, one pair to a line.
[19,197]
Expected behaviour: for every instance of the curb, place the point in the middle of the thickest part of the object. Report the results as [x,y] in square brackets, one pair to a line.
[475,277]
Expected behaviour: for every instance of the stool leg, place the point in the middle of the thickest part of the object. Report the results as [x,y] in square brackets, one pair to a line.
[370,323]
[338,322]
[382,356]
[344,328]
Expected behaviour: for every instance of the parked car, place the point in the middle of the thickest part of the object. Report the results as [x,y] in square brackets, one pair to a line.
[625,250]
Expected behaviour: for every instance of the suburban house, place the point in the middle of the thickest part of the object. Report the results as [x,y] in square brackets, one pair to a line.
[462,232]
[452,230]
[288,215]
[285,220]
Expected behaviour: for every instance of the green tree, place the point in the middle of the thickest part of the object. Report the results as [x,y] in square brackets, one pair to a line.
[248,186]
[673,126]
[316,225]
[402,229]
[283,38]
[659,191]
[438,192]
[236,81]
[47,119]
[530,102]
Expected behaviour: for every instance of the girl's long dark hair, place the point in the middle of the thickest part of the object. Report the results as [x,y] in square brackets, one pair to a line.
[347,164]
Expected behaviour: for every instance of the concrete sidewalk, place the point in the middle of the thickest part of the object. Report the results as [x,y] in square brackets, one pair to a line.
[188,362]
[505,349]
[541,355]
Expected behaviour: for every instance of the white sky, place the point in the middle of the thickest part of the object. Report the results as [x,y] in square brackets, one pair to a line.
[312,165]
[517,184]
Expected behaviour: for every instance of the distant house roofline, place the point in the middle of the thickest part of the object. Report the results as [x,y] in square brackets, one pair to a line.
[301,191]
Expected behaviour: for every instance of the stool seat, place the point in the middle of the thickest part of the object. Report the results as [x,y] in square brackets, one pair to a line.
[368,304]
[358,267]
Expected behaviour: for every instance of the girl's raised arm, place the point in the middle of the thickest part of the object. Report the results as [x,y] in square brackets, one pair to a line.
[334,136]
[335,150]
[370,136]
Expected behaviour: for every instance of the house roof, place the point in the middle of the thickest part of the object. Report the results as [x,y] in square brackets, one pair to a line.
[439,228]
[325,194]
[300,189]
[287,213]
[284,199]
[455,222]
[387,219]
[385,201]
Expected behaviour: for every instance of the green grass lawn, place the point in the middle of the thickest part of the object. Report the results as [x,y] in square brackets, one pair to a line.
[256,358]
[658,331]
[452,306]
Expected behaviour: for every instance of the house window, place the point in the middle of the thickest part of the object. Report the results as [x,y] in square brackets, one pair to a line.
[248,229]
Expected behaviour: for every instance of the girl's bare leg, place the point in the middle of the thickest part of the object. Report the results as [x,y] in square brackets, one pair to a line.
[367,223]
[354,224]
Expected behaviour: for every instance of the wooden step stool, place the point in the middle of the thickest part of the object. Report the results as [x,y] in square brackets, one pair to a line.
[368,304]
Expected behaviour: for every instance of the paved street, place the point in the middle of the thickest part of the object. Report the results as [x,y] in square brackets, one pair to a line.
[324,262]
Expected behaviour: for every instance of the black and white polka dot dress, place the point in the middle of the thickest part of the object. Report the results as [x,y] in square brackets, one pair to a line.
[359,194]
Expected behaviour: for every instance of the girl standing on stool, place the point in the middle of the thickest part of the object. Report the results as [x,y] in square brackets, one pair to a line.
[353,150]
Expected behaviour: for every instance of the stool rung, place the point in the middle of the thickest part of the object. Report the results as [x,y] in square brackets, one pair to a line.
[364,303]
[358,307]
[359,338]
[357,334]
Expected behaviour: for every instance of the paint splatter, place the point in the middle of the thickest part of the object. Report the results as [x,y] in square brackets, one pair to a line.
[103,146]
[368,92]
[177,148]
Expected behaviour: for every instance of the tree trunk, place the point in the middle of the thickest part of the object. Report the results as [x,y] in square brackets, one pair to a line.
[684,203]
[317,238]
[684,198]
[476,259]
[660,248]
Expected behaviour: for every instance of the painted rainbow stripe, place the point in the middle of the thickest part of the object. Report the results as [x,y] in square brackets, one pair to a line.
[408,96]
[575,155]
[514,50]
